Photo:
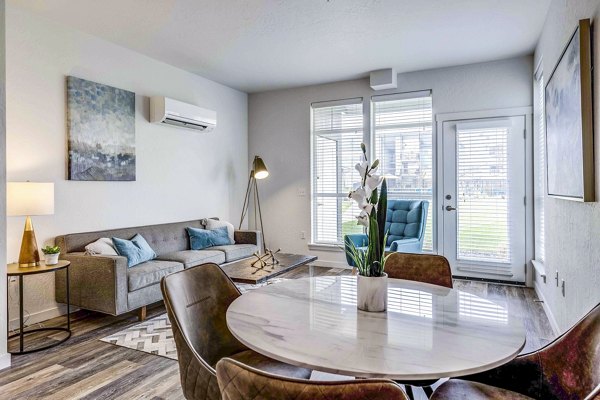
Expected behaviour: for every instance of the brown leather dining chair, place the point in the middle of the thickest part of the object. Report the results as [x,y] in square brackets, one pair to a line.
[196,300]
[427,268]
[242,382]
[567,368]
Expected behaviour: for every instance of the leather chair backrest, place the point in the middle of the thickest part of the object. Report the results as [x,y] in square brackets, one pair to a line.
[405,219]
[428,268]
[196,300]
[241,382]
[571,364]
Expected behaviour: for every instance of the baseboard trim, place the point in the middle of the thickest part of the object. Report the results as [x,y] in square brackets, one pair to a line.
[547,309]
[4,361]
[40,316]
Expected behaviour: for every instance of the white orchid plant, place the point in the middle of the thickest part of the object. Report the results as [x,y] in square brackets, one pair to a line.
[372,202]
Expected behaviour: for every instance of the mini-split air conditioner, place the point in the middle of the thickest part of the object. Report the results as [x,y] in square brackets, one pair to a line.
[177,113]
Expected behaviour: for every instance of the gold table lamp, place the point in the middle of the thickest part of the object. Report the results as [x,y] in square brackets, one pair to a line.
[27,199]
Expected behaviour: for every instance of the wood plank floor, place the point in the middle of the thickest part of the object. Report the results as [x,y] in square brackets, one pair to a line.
[86,368]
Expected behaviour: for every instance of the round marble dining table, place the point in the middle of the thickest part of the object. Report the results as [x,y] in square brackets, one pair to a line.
[427,332]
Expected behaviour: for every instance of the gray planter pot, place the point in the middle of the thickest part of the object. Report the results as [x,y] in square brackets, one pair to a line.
[371,293]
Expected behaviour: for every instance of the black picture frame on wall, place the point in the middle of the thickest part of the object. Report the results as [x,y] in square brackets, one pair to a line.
[569,121]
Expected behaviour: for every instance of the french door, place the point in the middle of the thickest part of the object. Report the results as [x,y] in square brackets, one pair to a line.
[483,193]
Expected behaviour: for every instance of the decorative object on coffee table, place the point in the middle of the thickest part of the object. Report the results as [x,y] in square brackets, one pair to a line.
[51,254]
[372,281]
[27,199]
[15,270]
[244,271]
[259,171]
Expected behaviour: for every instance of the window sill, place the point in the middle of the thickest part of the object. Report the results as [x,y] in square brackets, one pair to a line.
[325,247]
[539,267]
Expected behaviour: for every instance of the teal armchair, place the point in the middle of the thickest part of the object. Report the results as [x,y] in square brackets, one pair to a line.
[405,226]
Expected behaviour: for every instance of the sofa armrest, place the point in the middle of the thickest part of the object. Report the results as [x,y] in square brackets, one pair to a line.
[410,245]
[248,237]
[97,283]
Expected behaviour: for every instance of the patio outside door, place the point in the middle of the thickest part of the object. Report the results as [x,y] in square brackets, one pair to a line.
[484,197]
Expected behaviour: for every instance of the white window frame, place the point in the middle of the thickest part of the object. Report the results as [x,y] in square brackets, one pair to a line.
[539,168]
[434,158]
[368,139]
[322,104]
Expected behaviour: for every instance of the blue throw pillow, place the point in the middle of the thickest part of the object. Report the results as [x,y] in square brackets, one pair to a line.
[203,238]
[137,250]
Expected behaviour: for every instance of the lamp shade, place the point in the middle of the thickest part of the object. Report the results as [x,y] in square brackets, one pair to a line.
[29,198]
[260,169]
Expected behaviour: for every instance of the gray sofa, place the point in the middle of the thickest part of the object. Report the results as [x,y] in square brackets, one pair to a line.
[105,284]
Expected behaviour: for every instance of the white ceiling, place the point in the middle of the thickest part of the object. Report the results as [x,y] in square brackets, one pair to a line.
[258,45]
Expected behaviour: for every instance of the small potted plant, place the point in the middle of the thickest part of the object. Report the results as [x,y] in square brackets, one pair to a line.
[51,254]
[371,284]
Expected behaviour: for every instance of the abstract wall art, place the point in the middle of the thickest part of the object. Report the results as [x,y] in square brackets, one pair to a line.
[101,126]
[569,121]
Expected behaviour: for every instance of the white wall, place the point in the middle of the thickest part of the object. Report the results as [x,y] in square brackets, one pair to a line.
[279,131]
[572,228]
[180,174]
[4,356]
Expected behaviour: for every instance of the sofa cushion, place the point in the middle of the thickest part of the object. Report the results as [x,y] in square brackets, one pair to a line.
[191,258]
[236,251]
[150,273]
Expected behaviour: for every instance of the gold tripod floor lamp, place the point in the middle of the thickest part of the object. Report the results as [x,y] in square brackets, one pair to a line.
[27,199]
[259,171]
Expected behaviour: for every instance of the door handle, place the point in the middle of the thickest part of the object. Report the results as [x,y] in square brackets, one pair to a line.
[450,208]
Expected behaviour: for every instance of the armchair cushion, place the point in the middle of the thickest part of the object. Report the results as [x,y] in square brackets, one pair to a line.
[406,219]
[410,245]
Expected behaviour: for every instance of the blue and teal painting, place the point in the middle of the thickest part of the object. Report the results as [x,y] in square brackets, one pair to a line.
[101,123]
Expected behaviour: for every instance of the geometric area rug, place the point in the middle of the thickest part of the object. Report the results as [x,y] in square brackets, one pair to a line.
[155,336]
[152,336]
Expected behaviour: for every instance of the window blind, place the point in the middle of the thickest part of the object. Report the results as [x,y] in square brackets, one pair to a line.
[402,137]
[337,132]
[539,169]
[483,193]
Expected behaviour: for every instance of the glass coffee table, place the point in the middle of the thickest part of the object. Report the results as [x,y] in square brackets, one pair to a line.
[244,272]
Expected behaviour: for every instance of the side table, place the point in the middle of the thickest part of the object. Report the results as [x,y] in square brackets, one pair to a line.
[21,272]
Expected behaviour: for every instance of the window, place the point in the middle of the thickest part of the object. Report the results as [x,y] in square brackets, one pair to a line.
[337,132]
[402,137]
[539,167]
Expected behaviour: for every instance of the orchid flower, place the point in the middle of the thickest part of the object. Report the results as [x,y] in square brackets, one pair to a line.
[372,182]
[362,167]
[359,196]
[363,219]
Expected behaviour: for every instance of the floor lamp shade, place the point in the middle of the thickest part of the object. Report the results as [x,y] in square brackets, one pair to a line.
[259,168]
[26,199]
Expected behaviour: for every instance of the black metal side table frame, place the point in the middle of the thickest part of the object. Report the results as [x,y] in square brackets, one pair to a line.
[20,273]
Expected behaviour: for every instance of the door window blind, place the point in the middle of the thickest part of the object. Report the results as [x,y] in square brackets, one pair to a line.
[483,194]
[540,169]
[337,132]
[402,137]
